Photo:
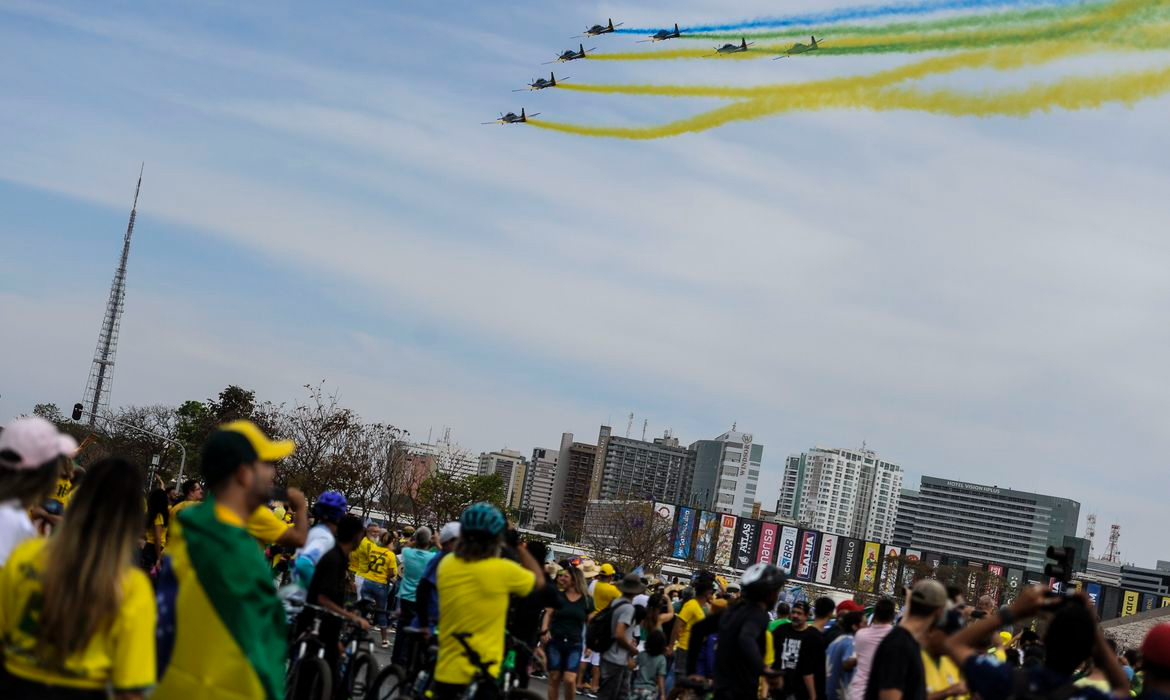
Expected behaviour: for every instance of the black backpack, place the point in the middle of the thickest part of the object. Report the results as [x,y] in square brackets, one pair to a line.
[599,632]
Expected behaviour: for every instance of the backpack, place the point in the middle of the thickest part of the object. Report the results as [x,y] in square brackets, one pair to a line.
[599,632]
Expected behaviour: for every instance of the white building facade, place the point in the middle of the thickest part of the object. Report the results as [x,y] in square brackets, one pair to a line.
[842,491]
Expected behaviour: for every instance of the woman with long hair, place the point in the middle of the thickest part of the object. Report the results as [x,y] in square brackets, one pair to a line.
[158,519]
[562,629]
[76,615]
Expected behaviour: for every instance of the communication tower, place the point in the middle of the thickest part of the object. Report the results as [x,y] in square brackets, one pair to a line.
[101,373]
[1114,552]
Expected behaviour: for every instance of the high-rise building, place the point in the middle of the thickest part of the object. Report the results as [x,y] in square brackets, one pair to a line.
[727,473]
[574,479]
[631,469]
[989,523]
[904,520]
[509,464]
[539,481]
[447,457]
[842,491]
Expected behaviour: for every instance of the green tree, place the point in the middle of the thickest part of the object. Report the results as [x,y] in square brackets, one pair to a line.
[443,497]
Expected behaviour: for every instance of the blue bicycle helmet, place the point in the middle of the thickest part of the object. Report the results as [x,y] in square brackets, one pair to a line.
[482,517]
[330,505]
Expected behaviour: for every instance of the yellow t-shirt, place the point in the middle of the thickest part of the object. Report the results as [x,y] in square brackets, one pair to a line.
[474,599]
[359,562]
[379,563]
[265,526]
[121,655]
[941,675]
[158,520]
[690,613]
[604,593]
[180,506]
[63,492]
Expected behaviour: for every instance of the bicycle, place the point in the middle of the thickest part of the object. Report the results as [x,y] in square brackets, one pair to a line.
[408,683]
[483,676]
[309,676]
[359,667]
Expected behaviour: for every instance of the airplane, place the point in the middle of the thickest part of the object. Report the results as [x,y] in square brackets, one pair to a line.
[571,55]
[799,48]
[598,29]
[663,35]
[734,48]
[541,83]
[512,118]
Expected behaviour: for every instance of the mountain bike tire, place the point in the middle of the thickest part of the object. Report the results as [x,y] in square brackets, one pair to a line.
[361,674]
[312,679]
[523,694]
[390,683]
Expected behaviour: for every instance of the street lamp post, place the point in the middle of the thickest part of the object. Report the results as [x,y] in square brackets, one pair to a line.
[79,411]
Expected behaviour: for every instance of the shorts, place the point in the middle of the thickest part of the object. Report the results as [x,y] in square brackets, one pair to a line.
[680,662]
[563,655]
[644,694]
[595,658]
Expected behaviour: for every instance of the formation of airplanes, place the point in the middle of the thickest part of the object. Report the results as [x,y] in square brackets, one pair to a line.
[661,35]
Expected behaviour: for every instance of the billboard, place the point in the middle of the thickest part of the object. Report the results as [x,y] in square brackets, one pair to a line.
[1129,603]
[1149,601]
[993,589]
[869,567]
[787,554]
[913,556]
[1015,581]
[743,550]
[1094,591]
[684,530]
[848,561]
[827,559]
[666,512]
[806,556]
[888,574]
[1165,602]
[705,541]
[766,551]
[723,544]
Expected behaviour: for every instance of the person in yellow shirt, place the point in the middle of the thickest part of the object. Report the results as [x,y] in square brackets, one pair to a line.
[474,586]
[379,559]
[76,615]
[158,518]
[359,558]
[943,678]
[692,611]
[192,493]
[224,634]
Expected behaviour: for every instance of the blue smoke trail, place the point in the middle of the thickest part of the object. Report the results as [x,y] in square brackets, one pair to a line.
[849,14]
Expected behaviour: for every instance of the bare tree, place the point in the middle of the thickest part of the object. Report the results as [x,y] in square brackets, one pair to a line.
[627,534]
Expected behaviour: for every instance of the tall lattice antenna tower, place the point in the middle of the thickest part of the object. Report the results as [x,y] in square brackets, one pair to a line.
[101,374]
[1091,531]
[1114,552]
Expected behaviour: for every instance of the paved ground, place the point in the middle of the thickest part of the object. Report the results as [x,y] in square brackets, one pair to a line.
[537,684]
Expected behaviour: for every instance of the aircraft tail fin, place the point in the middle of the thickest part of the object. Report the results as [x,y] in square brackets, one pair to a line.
[743,43]
[676,28]
[581,48]
[523,116]
[814,41]
[552,79]
[611,24]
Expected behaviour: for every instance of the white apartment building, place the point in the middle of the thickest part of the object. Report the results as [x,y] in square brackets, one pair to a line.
[842,491]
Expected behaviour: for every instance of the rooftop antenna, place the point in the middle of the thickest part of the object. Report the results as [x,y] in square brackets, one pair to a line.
[645,424]
[101,372]
[1091,530]
[1113,554]
[630,425]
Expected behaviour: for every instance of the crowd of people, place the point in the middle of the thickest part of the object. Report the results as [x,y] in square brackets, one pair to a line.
[107,590]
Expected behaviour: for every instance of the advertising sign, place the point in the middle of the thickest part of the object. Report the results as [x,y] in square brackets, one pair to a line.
[705,540]
[888,576]
[827,559]
[806,556]
[724,543]
[684,530]
[787,556]
[935,560]
[912,556]
[1129,603]
[848,561]
[1094,591]
[666,512]
[1149,601]
[997,572]
[1165,602]
[869,567]
[766,551]
[747,533]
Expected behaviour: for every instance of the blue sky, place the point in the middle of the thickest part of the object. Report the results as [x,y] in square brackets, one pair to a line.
[975,298]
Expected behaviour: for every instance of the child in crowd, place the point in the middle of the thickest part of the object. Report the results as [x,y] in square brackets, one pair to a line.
[650,678]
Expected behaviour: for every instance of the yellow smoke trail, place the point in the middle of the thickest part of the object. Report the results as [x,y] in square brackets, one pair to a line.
[1071,93]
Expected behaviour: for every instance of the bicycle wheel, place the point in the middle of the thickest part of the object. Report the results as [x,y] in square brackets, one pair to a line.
[523,694]
[312,679]
[360,674]
[390,683]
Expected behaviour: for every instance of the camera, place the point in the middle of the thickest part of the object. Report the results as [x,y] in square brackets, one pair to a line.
[1061,571]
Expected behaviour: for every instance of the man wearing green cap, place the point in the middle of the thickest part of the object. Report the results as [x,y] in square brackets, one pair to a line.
[215,587]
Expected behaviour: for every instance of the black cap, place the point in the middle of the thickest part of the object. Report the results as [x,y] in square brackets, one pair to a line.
[223,453]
